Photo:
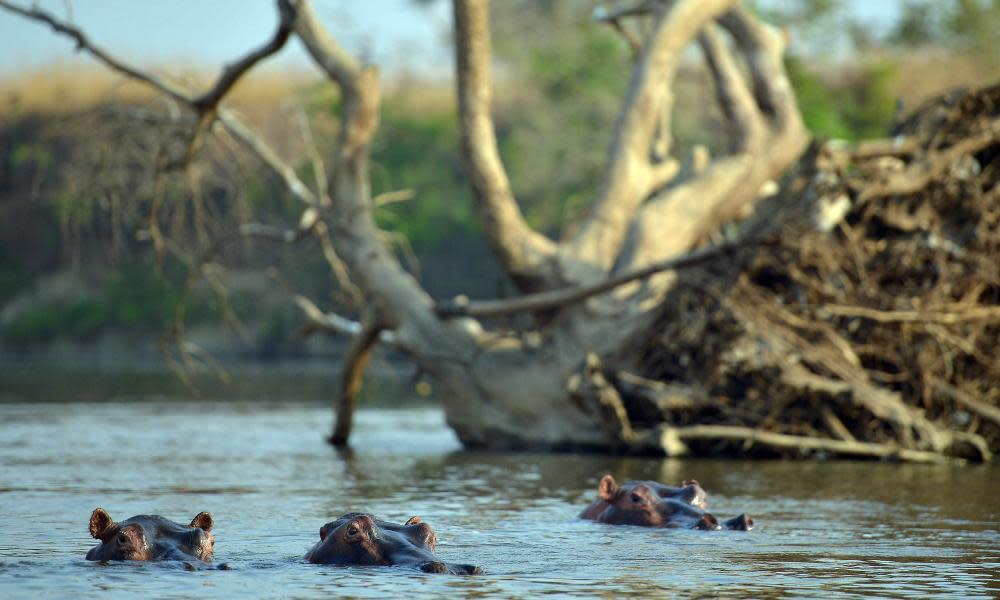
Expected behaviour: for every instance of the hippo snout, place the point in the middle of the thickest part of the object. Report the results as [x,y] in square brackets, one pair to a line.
[203,543]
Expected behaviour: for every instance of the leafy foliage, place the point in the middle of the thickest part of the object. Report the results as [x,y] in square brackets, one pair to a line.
[418,150]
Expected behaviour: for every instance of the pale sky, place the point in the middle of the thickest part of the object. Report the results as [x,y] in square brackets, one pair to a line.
[395,34]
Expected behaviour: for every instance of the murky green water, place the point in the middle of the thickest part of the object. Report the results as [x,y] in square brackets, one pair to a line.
[262,469]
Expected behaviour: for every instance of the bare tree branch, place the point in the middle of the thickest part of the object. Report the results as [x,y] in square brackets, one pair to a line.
[977,406]
[205,104]
[310,223]
[358,83]
[337,266]
[268,156]
[735,99]
[769,137]
[628,175]
[343,68]
[392,197]
[566,296]
[633,41]
[207,107]
[319,168]
[672,440]
[335,324]
[947,315]
[352,376]
[918,174]
[639,9]
[209,100]
[763,46]
[522,252]
[84,43]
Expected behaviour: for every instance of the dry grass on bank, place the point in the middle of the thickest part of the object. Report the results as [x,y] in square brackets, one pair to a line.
[70,87]
[66,88]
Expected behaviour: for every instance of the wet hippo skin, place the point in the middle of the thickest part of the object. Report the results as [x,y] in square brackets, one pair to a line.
[689,492]
[652,504]
[362,540]
[151,537]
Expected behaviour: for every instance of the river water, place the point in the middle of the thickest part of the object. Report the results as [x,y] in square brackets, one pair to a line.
[824,529]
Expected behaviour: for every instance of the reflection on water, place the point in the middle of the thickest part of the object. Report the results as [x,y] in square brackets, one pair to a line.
[265,474]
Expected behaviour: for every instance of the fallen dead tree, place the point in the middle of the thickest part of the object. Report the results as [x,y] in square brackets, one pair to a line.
[852,314]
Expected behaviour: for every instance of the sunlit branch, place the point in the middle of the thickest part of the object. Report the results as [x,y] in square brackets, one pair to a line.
[563,297]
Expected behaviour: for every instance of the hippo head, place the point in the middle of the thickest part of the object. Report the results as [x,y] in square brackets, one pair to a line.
[150,537]
[361,539]
[633,504]
[649,504]
[353,539]
[652,504]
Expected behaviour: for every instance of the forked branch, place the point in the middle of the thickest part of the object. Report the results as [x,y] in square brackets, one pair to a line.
[734,98]
[629,176]
[768,137]
[523,252]
[358,84]
[206,104]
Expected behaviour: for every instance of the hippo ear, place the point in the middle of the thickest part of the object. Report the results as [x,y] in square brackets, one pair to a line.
[322,533]
[607,488]
[100,521]
[202,520]
[414,520]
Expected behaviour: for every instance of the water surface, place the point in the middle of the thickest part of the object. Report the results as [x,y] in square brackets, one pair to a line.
[825,529]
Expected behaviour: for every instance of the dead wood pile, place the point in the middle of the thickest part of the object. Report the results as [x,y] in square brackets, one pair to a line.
[874,334]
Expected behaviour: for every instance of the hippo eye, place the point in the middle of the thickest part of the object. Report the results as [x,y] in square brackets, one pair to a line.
[352,530]
[122,538]
[636,498]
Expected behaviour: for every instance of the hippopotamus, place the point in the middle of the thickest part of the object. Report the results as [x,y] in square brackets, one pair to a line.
[361,539]
[653,504]
[152,537]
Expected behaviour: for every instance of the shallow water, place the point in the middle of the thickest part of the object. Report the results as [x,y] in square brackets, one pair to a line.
[262,469]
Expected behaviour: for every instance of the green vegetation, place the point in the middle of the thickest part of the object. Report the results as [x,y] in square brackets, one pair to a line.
[31,156]
[857,106]
[419,151]
[13,275]
[565,78]
[137,297]
[76,319]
